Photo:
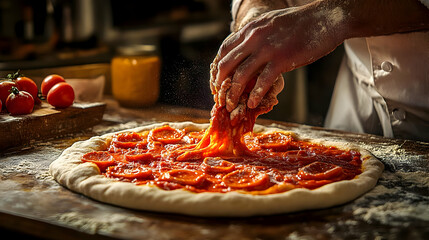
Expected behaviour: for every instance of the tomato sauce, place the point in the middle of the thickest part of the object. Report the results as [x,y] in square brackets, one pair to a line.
[226,157]
[223,158]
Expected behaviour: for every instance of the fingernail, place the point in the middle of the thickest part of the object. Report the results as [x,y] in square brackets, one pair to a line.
[251,103]
[229,105]
[216,81]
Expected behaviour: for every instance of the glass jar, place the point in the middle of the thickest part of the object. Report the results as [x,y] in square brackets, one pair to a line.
[135,76]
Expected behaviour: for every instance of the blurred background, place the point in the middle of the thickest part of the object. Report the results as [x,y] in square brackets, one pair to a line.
[79,39]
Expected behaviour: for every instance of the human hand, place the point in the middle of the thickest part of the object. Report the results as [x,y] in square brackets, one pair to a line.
[276,42]
[239,112]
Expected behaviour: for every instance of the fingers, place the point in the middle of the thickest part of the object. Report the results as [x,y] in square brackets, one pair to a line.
[227,46]
[222,92]
[230,42]
[243,74]
[229,62]
[266,81]
[241,57]
[266,104]
[277,86]
[213,73]
[238,114]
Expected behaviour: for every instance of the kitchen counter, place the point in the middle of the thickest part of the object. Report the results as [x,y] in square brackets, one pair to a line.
[32,203]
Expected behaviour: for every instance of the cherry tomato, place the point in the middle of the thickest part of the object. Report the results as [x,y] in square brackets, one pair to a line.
[19,102]
[49,82]
[28,85]
[5,86]
[61,95]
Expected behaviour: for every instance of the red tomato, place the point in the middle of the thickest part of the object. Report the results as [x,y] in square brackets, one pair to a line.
[28,85]
[5,86]
[19,102]
[61,95]
[49,82]
[0,105]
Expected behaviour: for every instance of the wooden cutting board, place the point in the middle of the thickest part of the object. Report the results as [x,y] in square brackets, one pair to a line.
[47,122]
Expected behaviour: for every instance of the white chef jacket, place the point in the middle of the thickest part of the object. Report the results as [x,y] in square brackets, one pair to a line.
[383,87]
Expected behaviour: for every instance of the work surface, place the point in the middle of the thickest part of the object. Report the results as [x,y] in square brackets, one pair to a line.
[31,202]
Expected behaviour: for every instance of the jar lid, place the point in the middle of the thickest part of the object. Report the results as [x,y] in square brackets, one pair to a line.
[136,49]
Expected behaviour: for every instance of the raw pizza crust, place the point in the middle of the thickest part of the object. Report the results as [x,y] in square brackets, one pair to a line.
[85,178]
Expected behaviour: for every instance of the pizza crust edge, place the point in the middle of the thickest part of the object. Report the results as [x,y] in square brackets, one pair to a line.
[85,178]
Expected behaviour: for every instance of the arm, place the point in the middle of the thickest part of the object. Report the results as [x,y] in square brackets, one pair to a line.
[243,12]
[282,40]
[375,18]
[248,10]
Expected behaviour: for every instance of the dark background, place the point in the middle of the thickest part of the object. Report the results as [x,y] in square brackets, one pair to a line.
[187,34]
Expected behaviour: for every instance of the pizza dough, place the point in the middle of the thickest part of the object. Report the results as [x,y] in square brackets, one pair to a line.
[85,178]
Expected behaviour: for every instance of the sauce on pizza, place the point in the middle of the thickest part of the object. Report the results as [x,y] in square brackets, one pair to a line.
[275,162]
[226,157]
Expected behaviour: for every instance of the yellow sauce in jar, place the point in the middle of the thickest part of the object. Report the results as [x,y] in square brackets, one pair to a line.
[135,80]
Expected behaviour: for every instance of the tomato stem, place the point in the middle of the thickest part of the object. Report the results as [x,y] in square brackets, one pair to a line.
[15,75]
[14,90]
[40,95]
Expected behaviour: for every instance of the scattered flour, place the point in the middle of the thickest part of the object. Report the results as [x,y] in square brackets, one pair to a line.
[330,19]
[402,203]
[297,236]
[109,223]
[394,213]
[28,167]
[335,16]
[99,130]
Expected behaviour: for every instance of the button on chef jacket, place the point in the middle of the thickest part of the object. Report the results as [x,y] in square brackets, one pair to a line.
[383,87]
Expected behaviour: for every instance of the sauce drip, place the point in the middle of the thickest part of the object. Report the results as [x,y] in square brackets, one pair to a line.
[254,163]
[226,157]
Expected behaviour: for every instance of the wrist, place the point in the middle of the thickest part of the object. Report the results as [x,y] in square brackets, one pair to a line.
[250,15]
[245,11]
[331,18]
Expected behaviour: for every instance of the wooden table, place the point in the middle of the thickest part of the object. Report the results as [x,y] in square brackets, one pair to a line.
[32,203]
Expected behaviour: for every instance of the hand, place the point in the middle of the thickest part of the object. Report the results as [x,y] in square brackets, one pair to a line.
[238,113]
[276,42]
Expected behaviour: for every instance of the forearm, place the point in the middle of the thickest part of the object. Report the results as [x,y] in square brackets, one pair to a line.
[373,18]
[250,9]
[362,18]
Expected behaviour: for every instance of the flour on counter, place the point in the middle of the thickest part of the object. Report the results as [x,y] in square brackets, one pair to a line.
[394,213]
[392,206]
[33,168]
[99,130]
[108,223]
